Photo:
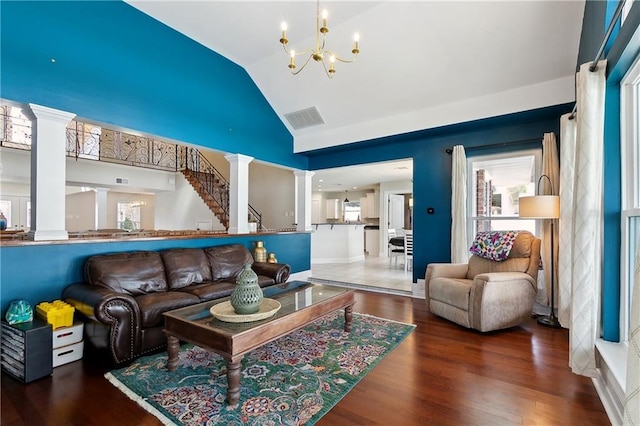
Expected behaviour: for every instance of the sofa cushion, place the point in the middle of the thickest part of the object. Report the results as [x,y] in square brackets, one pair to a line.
[185,266]
[152,306]
[227,261]
[209,291]
[133,273]
[264,281]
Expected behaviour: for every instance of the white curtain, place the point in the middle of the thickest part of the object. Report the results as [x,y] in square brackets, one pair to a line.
[459,249]
[550,168]
[631,414]
[586,221]
[568,135]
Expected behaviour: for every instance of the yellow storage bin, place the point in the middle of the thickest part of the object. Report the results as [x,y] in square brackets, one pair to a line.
[56,313]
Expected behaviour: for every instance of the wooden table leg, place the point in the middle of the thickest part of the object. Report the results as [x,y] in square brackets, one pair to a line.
[233,380]
[348,316]
[173,345]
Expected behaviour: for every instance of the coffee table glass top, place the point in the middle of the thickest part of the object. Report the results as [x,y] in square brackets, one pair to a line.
[293,296]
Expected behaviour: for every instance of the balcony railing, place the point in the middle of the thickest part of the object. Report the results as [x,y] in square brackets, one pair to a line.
[94,142]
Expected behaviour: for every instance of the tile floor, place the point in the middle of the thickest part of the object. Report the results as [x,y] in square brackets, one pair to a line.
[374,274]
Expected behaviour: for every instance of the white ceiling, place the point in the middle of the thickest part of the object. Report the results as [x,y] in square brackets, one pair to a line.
[422,64]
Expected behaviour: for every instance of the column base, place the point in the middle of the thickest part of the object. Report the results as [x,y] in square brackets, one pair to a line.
[236,230]
[39,235]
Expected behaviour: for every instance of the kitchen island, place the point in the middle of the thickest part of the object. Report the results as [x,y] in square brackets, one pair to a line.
[341,242]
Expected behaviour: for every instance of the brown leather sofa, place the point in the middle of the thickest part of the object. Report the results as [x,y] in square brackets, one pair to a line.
[124,294]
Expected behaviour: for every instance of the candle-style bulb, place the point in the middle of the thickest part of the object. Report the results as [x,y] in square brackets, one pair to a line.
[356,48]
[292,63]
[283,38]
[356,37]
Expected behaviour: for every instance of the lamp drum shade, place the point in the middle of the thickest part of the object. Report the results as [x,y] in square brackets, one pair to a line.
[540,207]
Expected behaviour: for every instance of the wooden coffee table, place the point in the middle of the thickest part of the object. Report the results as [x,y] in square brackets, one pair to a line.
[302,303]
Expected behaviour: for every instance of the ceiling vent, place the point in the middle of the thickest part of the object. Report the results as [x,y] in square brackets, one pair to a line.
[304,118]
[122,181]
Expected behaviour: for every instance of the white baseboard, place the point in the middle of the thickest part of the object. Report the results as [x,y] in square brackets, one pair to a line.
[300,276]
[418,289]
[357,258]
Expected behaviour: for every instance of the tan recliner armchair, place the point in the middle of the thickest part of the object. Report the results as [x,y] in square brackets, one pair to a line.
[485,294]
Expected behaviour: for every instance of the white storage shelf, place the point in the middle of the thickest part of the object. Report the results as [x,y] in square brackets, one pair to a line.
[67,335]
[69,353]
[68,345]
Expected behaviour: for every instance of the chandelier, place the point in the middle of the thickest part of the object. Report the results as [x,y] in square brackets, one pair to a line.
[318,53]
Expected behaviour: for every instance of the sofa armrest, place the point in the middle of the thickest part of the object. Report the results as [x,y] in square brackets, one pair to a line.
[278,271]
[501,300]
[447,270]
[118,311]
[506,277]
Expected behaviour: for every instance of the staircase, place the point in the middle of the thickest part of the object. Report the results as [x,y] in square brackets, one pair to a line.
[209,184]
[198,181]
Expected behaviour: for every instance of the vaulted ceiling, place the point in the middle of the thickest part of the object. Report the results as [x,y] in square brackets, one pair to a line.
[422,64]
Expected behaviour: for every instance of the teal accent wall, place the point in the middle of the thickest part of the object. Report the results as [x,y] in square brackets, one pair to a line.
[117,66]
[432,167]
[612,213]
[40,272]
[622,49]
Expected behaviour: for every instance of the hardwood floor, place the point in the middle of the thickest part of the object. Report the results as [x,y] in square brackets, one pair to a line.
[442,374]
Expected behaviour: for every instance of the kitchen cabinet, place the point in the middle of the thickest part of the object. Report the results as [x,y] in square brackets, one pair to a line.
[333,208]
[364,212]
[372,205]
[372,241]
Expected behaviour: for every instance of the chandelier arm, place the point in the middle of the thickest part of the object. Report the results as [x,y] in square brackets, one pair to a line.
[302,67]
[297,53]
[338,58]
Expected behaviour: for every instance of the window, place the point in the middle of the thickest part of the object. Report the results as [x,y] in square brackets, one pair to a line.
[630,150]
[352,211]
[129,215]
[495,184]
[5,209]
[15,128]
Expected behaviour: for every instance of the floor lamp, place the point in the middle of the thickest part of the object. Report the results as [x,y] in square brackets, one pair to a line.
[544,207]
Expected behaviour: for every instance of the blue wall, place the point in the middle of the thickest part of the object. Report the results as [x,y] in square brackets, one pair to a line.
[39,272]
[432,167]
[622,49]
[118,66]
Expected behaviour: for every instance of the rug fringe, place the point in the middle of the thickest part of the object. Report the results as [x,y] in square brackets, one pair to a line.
[140,400]
[386,319]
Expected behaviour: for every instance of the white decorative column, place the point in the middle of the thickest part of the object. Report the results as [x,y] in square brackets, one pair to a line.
[238,193]
[303,199]
[101,208]
[48,172]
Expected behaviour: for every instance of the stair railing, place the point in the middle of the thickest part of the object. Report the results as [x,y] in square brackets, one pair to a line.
[254,215]
[213,182]
[210,178]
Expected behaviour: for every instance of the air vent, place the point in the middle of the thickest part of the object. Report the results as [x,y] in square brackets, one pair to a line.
[122,181]
[304,118]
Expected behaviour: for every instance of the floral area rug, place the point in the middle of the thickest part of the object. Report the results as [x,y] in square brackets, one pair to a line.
[294,380]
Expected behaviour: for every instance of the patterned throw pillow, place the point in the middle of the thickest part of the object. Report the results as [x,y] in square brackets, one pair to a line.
[494,245]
